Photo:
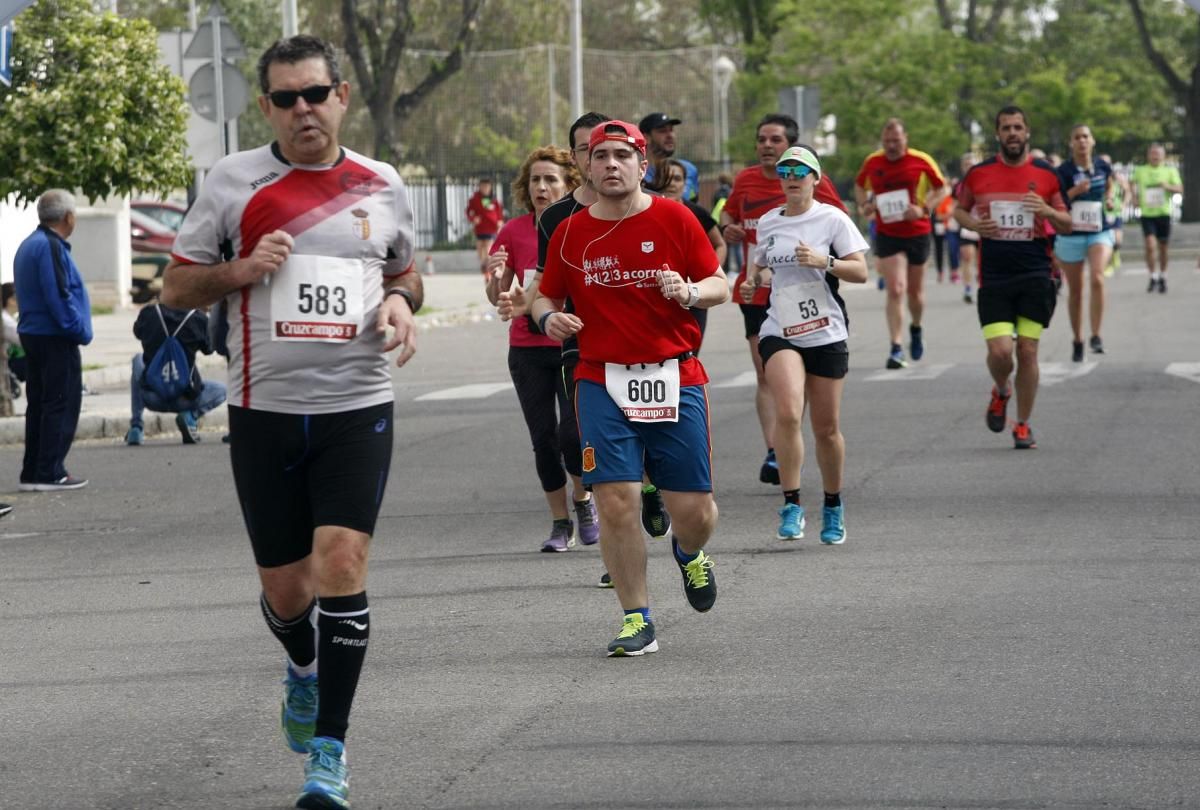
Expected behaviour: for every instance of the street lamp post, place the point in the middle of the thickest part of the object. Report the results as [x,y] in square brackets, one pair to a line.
[723,72]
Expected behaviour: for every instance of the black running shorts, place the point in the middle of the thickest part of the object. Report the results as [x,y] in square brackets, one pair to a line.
[1032,297]
[294,473]
[753,316]
[916,248]
[831,360]
[1158,227]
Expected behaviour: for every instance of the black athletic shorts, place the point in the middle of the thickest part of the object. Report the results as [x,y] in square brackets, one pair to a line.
[294,473]
[916,248]
[753,316]
[831,360]
[1158,227]
[1032,297]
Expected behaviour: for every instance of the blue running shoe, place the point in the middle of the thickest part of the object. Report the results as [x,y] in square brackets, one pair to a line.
[326,777]
[791,523]
[916,346]
[896,358]
[833,528]
[298,714]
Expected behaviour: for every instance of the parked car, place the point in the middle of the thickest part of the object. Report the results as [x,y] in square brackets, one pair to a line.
[151,241]
[168,213]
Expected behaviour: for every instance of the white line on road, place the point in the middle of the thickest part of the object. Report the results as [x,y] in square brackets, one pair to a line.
[474,391]
[1188,371]
[743,380]
[915,372]
[1054,373]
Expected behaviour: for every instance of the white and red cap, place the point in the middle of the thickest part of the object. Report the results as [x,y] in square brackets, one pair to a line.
[621,131]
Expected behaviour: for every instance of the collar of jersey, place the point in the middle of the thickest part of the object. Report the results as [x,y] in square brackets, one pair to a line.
[278,153]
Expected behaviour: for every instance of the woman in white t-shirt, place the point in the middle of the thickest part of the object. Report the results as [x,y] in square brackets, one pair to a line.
[804,249]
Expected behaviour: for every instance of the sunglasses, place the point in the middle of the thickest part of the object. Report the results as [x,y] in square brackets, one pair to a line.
[286,99]
[799,172]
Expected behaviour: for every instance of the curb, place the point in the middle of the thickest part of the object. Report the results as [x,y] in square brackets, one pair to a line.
[113,424]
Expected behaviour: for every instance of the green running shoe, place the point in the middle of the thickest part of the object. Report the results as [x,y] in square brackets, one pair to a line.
[298,714]
[655,519]
[326,777]
[699,580]
[636,637]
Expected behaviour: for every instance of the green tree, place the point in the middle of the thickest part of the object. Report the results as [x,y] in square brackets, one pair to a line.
[1169,37]
[89,107]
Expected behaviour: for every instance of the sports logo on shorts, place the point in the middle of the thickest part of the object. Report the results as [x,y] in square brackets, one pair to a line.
[647,247]
[589,459]
[362,225]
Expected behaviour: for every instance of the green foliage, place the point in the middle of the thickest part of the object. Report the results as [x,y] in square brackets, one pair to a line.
[90,108]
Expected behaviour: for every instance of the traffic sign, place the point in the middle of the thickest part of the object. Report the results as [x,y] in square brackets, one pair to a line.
[202,90]
[6,41]
[201,46]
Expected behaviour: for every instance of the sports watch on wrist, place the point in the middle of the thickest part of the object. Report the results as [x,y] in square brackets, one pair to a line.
[693,296]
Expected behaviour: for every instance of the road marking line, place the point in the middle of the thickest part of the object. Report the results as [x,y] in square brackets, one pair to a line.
[743,380]
[919,371]
[1188,371]
[1054,373]
[474,391]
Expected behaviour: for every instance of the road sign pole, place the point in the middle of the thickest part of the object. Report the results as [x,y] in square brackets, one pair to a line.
[219,86]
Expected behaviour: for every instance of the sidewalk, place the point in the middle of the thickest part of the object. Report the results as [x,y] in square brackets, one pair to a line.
[450,298]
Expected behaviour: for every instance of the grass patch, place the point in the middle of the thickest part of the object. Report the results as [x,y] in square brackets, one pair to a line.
[92,366]
[101,309]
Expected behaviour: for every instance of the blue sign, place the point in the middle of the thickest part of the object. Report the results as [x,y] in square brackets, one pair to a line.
[6,39]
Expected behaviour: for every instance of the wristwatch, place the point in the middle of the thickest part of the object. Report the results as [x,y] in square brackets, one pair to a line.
[403,293]
[693,296]
[829,263]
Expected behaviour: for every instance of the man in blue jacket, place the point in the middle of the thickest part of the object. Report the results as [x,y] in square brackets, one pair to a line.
[56,319]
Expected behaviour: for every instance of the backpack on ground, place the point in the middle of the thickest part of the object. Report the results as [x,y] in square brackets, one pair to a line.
[168,373]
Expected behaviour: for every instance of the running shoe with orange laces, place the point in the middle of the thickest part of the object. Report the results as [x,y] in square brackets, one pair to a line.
[1023,437]
[997,411]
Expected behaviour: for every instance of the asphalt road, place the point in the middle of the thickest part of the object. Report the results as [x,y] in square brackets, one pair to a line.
[1002,629]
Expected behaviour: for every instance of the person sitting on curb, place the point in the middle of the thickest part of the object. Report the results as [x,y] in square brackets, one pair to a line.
[152,326]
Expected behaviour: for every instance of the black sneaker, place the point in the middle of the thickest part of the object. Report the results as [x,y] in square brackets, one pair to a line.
[768,473]
[1076,351]
[1096,344]
[699,580]
[5,508]
[636,637]
[1023,437]
[187,427]
[605,581]
[916,346]
[655,519]
[1162,284]
[1153,284]
[63,484]
[896,357]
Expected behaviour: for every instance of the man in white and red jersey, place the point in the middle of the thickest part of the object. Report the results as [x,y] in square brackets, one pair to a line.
[756,191]
[1009,200]
[900,186]
[632,265]
[309,245]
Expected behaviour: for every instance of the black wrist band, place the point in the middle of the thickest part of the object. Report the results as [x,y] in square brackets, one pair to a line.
[405,294]
[542,322]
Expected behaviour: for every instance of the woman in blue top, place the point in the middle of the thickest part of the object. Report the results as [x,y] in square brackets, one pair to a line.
[1087,184]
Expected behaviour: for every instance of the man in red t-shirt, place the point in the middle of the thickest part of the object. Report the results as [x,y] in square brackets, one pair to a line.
[899,187]
[757,190]
[1011,200]
[486,215]
[632,265]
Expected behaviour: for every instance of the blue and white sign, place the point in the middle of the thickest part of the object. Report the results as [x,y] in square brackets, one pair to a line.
[6,40]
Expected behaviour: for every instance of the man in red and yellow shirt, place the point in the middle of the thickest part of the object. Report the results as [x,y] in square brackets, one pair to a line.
[899,187]
[632,265]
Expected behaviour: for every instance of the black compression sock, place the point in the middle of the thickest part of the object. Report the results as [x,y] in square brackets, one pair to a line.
[343,625]
[791,496]
[833,499]
[296,635]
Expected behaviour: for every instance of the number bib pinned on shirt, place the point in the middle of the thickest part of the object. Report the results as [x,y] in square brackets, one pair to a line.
[1086,216]
[892,205]
[800,308]
[317,298]
[1014,219]
[1155,197]
[645,394]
